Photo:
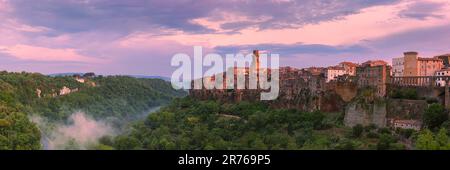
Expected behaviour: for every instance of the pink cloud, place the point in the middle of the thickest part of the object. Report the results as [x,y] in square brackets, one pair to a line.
[34,53]
[369,23]
[4,6]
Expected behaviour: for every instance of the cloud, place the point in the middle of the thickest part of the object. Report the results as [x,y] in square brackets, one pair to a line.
[34,53]
[139,37]
[4,6]
[294,49]
[423,10]
[128,16]
[369,23]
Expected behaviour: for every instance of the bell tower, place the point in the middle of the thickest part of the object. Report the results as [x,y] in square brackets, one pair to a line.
[255,63]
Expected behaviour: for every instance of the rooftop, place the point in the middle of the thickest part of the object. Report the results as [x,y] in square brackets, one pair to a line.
[348,63]
[443,55]
[410,53]
[429,59]
[335,68]
[374,63]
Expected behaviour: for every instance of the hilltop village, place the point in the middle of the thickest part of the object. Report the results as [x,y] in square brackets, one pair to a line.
[369,93]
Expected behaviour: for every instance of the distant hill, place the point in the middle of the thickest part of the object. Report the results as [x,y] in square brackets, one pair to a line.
[150,77]
[134,76]
[64,74]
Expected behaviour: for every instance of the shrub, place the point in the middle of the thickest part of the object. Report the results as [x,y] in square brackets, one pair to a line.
[357,130]
[434,116]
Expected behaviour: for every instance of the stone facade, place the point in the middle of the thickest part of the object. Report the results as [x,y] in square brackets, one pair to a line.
[349,67]
[398,67]
[417,66]
[365,114]
[406,124]
[445,59]
[333,72]
[440,81]
[374,74]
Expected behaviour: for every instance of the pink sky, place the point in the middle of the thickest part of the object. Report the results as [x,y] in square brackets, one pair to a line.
[93,36]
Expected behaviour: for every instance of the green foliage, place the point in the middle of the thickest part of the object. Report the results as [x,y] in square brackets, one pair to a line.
[406,133]
[426,141]
[190,124]
[385,142]
[357,130]
[434,116]
[121,97]
[346,144]
[404,93]
[16,131]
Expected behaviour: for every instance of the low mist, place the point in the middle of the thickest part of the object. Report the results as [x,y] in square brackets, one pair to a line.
[81,132]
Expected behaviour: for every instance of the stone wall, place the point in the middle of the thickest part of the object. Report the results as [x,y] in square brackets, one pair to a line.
[406,109]
[379,112]
[365,114]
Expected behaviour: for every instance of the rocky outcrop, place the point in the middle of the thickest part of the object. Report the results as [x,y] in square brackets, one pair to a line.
[65,91]
[382,113]
[347,91]
[366,114]
[38,93]
[299,89]
[406,109]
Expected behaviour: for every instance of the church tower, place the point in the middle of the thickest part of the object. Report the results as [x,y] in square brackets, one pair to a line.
[255,63]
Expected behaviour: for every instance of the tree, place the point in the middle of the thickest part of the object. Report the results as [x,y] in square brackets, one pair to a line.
[442,139]
[425,141]
[385,142]
[434,116]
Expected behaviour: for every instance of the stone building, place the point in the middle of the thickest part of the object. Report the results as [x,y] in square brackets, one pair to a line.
[374,74]
[316,70]
[333,72]
[417,66]
[349,67]
[445,59]
[443,72]
[406,124]
[398,66]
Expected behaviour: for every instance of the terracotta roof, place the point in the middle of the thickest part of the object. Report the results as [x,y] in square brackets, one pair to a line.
[374,63]
[443,55]
[335,68]
[429,59]
[348,63]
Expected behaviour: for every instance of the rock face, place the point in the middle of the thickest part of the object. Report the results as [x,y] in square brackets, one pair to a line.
[406,109]
[365,114]
[299,89]
[380,113]
[38,93]
[347,91]
[65,91]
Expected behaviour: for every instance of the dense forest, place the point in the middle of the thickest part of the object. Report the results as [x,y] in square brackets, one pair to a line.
[190,124]
[25,94]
